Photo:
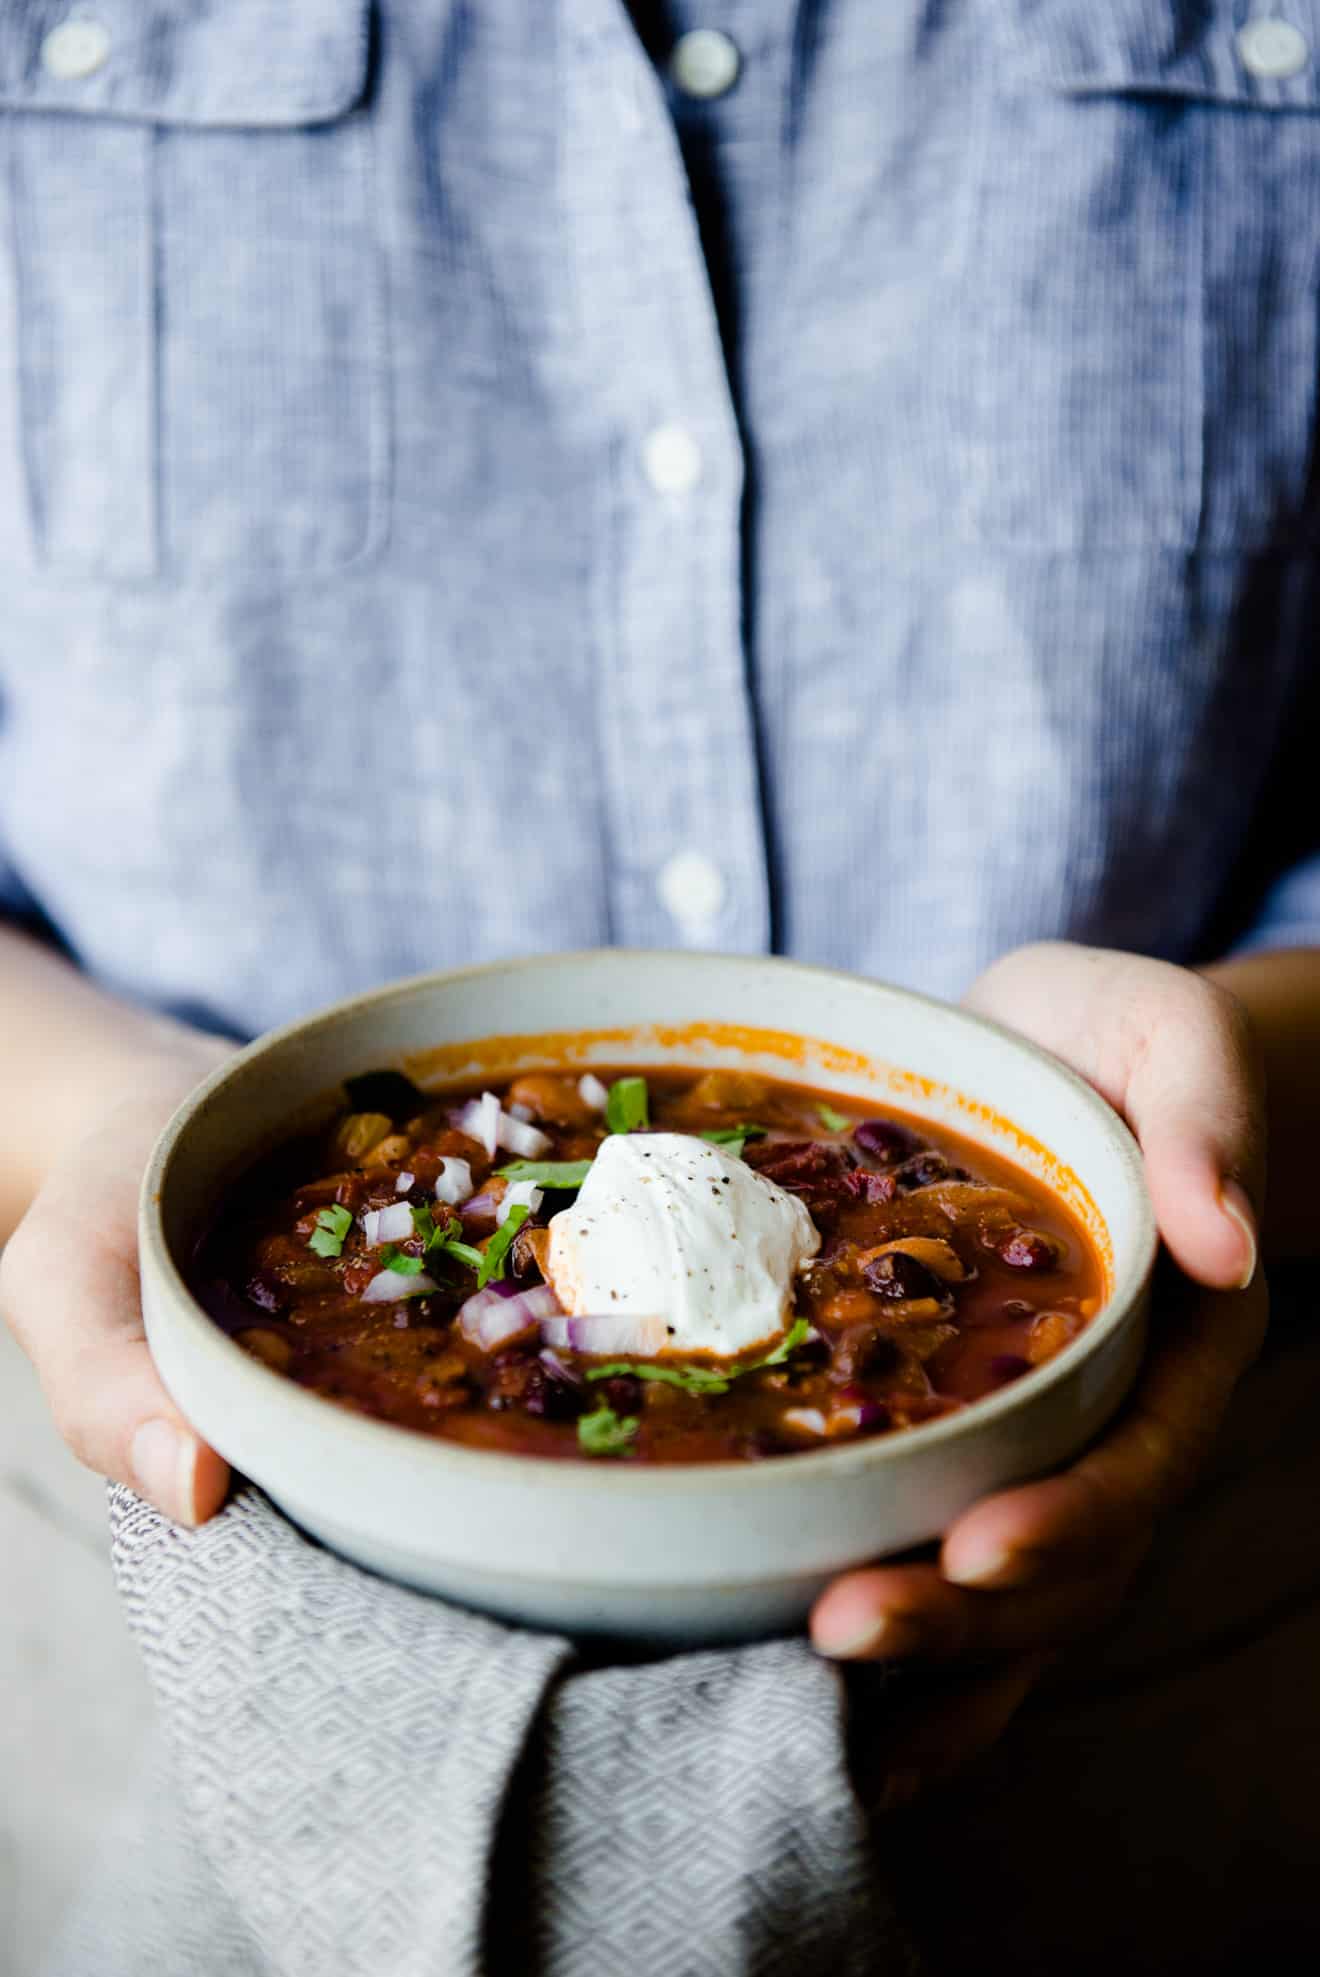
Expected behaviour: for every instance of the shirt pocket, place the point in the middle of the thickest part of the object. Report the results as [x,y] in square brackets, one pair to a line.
[1141,295]
[201,372]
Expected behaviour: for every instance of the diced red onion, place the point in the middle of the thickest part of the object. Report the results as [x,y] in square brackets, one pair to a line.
[454,1181]
[388,1286]
[478,1207]
[404,1182]
[561,1369]
[528,1142]
[592,1092]
[491,1319]
[392,1224]
[613,1332]
[852,1419]
[480,1120]
[523,1112]
[518,1194]
[805,1420]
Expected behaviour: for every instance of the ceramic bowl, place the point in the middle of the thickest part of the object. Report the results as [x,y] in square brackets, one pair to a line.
[683,1554]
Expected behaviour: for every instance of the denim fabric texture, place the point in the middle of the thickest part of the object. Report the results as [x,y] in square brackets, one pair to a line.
[354,621]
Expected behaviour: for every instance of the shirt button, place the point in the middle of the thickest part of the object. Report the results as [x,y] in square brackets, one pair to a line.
[75,49]
[672,459]
[692,887]
[1272,50]
[704,63]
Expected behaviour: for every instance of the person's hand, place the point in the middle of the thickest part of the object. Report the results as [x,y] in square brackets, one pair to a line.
[1022,1574]
[69,1290]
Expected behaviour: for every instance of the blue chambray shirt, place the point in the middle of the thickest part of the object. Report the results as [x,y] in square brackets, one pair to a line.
[463,492]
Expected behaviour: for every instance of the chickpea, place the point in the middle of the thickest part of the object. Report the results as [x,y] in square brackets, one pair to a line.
[356,1135]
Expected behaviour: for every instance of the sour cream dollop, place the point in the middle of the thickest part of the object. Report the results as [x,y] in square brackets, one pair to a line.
[669,1225]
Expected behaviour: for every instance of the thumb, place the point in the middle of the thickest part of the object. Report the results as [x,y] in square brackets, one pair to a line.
[1195,1100]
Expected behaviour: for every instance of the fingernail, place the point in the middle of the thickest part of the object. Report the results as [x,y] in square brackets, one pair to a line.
[901,1787]
[988,1567]
[1236,1205]
[885,1637]
[164,1462]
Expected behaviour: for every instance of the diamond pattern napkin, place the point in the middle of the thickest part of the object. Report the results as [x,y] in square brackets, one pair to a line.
[360,1781]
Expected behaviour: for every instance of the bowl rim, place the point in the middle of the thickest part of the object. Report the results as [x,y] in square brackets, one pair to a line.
[391,1440]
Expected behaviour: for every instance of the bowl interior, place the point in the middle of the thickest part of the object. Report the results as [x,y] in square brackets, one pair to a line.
[835,1032]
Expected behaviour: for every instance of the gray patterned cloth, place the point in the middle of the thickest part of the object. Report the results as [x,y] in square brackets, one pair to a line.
[360,1781]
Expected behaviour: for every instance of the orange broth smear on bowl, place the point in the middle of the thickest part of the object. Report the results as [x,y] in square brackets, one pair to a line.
[395,1264]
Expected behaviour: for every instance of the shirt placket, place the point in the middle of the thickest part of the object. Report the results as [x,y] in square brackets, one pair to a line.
[686,847]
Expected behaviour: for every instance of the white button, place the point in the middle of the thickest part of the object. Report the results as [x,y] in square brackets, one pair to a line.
[1273,50]
[672,459]
[704,63]
[692,887]
[75,49]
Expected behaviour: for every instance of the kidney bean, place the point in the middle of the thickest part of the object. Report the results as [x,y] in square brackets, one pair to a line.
[862,1349]
[896,1275]
[870,1188]
[1006,1366]
[1027,1249]
[549,1398]
[882,1140]
[623,1393]
[801,1164]
[923,1170]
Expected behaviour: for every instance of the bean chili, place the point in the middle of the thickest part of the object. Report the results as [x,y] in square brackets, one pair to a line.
[943,1274]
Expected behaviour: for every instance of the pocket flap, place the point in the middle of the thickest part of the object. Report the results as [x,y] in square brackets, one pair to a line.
[1213,51]
[257,63]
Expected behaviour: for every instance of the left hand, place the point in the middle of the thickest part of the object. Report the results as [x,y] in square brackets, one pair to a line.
[1022,1574]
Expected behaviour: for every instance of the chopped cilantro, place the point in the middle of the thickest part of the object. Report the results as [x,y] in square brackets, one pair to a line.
[832,1121]
[492,1257]
[332,1225]
[424,1225]
[606,1433]
[792,1339]
[403,1266]
[548,1173]
[692,1379]
[703,1379]
[463,1252]
[628,1105]
[734,1138]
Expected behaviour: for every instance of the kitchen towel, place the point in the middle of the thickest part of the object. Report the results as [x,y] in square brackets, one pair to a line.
[358,1780]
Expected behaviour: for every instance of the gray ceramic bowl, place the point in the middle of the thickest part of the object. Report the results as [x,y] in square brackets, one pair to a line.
[701,1553]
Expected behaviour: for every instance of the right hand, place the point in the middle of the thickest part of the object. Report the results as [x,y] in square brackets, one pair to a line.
[69,1291]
